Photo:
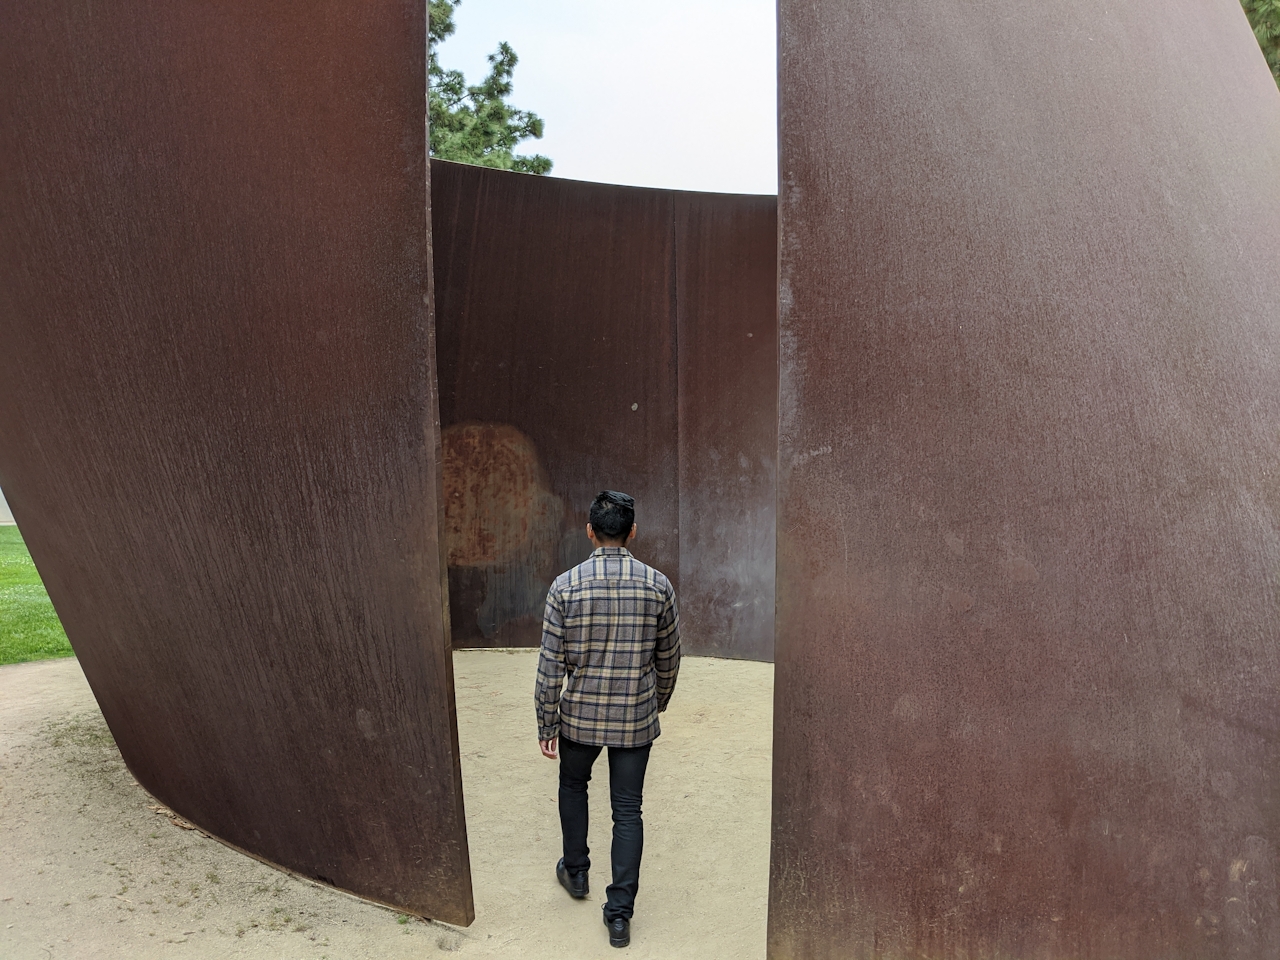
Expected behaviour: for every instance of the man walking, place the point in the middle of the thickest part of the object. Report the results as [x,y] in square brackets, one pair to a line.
[613,630]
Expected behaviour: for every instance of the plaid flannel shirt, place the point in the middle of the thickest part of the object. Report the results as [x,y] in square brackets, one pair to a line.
[613,629]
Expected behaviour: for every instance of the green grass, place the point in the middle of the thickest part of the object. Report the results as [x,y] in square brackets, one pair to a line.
[29,629]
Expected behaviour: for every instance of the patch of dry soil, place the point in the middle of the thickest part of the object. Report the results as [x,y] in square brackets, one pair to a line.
[91,867]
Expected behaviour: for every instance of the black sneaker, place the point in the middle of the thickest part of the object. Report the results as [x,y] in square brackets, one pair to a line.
[619,931]
[577,886]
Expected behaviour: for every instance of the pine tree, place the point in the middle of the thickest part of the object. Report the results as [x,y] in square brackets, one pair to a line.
[476,124]
[1264,17]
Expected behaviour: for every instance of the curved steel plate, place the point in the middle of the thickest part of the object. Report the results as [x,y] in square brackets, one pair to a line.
[217,416]
[1029,523]
[597,336]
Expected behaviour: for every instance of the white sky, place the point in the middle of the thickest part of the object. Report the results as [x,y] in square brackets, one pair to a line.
[665,93]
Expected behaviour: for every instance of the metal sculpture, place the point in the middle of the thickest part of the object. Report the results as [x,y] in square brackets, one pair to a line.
[598,336]
[1026,531]
[1027,626]
[217,420]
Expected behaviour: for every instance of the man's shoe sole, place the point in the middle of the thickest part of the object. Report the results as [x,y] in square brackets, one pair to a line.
[622,941]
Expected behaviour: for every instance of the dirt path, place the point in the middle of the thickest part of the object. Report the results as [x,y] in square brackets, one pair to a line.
[88,870]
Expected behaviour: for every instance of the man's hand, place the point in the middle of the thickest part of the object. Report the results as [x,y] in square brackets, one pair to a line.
[550,748]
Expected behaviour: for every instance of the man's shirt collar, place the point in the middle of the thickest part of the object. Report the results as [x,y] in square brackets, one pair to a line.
[611,552]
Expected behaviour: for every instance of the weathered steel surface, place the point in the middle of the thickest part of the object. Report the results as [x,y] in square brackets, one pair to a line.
[216,416]
[596,336]
[557,340]
[1028,541]
[726,305]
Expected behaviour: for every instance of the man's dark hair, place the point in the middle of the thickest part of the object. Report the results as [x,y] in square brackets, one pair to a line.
[612,514]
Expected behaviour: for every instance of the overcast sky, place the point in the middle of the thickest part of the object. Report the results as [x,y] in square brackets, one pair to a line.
[666,93]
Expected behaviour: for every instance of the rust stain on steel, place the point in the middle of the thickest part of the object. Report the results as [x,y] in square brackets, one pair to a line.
[1028,530]
[496,500]
[215,365]
[503,528]
[579,315]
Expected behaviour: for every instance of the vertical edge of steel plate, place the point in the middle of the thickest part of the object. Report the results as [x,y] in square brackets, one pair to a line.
[1029,514]
[217,430]
[726,304]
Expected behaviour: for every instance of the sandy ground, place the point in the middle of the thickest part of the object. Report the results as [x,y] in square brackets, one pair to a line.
[89,870]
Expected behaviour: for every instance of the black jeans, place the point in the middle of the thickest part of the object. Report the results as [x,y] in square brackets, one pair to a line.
[626,785]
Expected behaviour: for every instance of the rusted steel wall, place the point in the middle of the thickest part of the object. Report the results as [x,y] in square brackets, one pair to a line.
[1029,522]
[565,311]
[557,339]
[216,428]
[727,323]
